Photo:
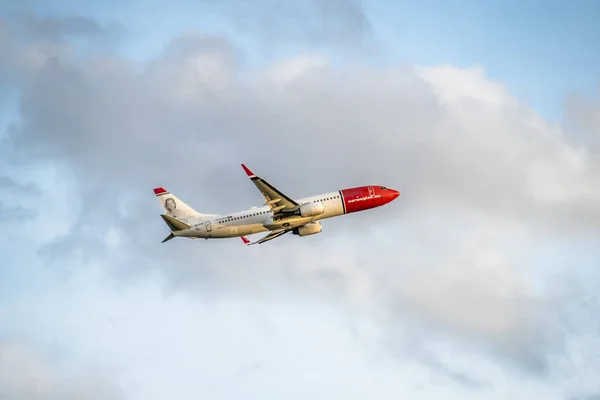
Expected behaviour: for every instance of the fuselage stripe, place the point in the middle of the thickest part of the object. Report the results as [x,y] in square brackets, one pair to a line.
[343,202]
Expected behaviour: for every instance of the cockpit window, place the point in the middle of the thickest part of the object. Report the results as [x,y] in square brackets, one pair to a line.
[383,188]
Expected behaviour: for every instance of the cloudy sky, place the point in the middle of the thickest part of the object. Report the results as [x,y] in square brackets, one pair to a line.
[479,282]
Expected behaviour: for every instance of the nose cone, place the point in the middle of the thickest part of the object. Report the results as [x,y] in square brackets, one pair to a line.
[394,194]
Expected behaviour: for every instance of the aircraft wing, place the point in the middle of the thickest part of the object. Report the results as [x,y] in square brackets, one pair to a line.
[274,198]
[270,236]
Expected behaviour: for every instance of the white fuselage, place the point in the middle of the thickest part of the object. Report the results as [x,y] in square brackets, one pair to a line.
[259,219]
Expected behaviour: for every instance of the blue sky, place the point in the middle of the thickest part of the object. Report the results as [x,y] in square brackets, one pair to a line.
[471,285]
[543,50]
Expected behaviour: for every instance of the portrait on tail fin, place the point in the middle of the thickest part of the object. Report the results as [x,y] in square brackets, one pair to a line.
[170,205]
[172,210]
[174,207]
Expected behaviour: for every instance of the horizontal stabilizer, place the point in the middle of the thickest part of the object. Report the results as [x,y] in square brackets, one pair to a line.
[174,224]
[171,236]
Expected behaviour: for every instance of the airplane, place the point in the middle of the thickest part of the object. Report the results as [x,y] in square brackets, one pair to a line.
[280,214]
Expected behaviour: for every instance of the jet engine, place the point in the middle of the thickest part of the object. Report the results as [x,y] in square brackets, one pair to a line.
[311,209]
[308,229]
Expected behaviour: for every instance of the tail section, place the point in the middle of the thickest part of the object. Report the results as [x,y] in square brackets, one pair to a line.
[177,214]
[174,225]
[174,207]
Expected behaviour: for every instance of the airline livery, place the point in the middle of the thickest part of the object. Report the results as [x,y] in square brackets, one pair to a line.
[279,215]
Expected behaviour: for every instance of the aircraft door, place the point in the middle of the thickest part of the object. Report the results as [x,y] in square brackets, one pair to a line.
[208,226]
[372,194]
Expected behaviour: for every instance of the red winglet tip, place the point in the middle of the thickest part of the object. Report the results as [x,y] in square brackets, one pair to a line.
[248,172]
[245,240]
[159,190]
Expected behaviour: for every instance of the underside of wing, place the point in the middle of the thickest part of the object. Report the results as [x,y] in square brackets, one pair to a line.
[274,198]
[270,236]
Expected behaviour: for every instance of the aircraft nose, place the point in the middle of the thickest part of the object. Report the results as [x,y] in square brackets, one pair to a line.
[395,195]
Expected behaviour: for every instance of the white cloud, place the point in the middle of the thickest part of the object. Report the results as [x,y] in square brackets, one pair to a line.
[452,84]
[290,70]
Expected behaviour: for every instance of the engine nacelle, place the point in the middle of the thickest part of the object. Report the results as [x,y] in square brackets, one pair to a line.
[308,229]
[311,209]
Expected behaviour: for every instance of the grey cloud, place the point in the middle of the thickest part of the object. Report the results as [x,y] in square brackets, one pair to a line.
[188,119]
[582,115]
[463,378]
[582,121]
[25,374]
[29,41]
[184,47]
[9,184]
[7,55]
[12,208]
[58,27]
[487,307]
[36,27]
[16,213]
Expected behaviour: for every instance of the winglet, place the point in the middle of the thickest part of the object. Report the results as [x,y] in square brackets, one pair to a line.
[159,191]
[245,240]
[247,170]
